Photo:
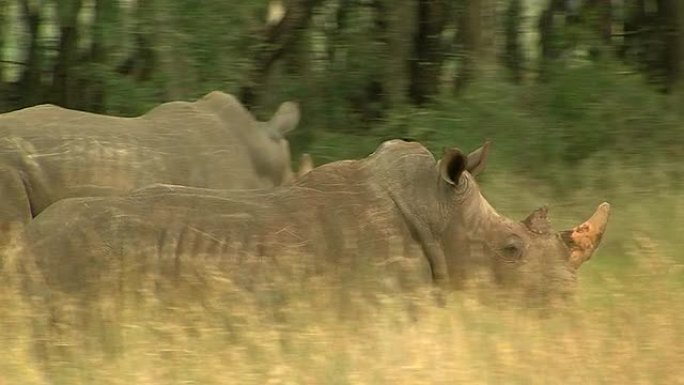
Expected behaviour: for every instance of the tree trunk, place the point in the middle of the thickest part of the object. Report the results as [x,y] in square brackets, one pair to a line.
[94,88]
[373,101]
[333,39]
[64,92]
[680,52]
[401,25]
[633,21]
[489,29]
[597,15]
[297,59]
[468,40]
[275,40]
[547,42]
[30,84]
[142,62]
[512,55]
[428,51]
[3,21]
[606,20]
[667,12]
[4,87]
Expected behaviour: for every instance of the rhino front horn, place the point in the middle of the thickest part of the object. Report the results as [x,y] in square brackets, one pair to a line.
[584,239]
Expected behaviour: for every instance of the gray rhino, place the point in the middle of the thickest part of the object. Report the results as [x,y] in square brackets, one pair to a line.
[351,215]
[48,153]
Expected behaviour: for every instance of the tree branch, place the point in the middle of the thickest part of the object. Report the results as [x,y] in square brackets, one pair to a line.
[276,39]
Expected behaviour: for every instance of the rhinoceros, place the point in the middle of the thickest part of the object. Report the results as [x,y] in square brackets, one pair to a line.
[399,202]
[48,153]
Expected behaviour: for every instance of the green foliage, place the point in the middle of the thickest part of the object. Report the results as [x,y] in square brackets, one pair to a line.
[216,37]
[583,111]
[130,98]
[182,49]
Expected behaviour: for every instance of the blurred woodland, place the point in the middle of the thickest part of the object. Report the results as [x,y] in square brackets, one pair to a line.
[359,64]
[375,53]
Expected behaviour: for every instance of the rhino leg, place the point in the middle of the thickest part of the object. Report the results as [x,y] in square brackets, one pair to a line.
[15,205]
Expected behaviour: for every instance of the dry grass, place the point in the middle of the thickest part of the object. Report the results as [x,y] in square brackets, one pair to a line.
[626,328]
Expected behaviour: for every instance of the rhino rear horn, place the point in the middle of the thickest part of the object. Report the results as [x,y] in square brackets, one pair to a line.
[285,119]
[538,221]
[583,240]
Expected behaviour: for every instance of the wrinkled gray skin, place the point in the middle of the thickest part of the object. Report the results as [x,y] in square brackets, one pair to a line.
[48,153]
[398,203]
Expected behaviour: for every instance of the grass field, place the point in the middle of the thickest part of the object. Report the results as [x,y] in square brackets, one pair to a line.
[627,326]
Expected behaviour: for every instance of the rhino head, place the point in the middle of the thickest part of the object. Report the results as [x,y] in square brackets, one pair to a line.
[265,141]
[526,255]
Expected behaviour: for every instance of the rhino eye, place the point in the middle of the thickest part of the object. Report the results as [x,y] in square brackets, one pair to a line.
[511,251]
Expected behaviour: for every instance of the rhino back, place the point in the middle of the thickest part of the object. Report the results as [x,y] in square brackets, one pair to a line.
[66,153]
[336,216]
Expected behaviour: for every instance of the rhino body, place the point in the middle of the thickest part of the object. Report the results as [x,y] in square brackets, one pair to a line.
[399,203]
[48,153]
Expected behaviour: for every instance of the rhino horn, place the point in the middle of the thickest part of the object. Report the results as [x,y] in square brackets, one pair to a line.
[538,221]
[583,240]
[285,119]
[305,164]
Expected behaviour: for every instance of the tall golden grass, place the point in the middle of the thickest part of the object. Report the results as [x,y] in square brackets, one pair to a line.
[626,327]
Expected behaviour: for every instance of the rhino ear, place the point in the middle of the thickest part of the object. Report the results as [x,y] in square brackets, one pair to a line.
[306,164]
[477,160]
[285,119]
[452,165]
